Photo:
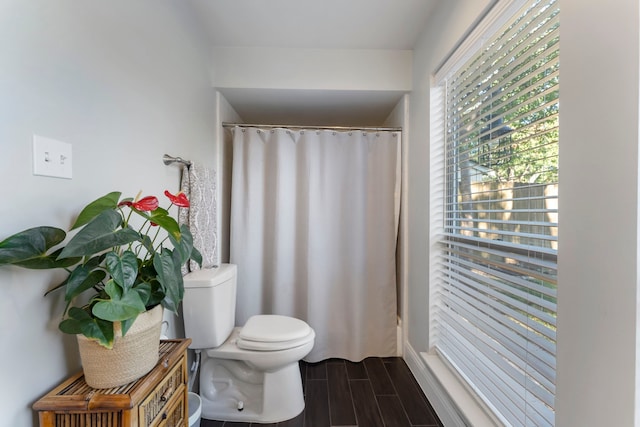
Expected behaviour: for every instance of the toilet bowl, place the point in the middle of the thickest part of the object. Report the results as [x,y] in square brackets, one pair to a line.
[248,373]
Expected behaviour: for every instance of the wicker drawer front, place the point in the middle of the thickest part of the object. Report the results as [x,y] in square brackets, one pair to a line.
[174,416]
[88,419]
[152,407]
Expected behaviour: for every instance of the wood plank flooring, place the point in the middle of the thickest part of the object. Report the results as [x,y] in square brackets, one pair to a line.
[377,392]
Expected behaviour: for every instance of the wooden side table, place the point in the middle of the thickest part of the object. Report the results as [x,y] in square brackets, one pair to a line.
[159,399]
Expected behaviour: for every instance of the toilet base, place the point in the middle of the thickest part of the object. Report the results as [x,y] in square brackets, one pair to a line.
[264,397]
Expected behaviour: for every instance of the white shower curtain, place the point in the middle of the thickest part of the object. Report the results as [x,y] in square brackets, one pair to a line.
[314,219]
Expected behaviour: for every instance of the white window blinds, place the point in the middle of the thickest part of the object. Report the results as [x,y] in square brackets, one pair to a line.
[495,297]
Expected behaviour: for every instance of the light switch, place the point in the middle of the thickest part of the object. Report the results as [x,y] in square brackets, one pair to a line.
[51,157]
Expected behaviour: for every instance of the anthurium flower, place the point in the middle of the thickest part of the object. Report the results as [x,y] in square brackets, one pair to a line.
[179,199]
[147,204]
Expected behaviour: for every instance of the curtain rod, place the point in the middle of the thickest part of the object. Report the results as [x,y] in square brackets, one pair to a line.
[338,128]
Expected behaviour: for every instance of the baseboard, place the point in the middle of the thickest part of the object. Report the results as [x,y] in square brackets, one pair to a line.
[451,400]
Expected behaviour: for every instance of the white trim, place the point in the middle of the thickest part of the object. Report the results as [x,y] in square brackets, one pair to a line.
[404,222]
[453,403]
[495,18]
[437,166]
[399,340]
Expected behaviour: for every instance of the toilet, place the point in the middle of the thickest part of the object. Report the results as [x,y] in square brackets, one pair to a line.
[247,373]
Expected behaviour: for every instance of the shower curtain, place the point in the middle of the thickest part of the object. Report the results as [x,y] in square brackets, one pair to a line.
[314,220]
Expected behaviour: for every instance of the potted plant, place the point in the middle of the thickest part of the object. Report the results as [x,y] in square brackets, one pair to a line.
[118,276]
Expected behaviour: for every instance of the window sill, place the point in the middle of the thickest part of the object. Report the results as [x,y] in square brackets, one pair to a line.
[452,401]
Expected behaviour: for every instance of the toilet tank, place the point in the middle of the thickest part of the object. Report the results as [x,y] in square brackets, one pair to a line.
[209,305]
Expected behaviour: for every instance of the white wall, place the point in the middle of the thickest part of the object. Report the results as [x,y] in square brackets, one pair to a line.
[124,82]
[312,69]
[399,117]
[224,154]
[598,212]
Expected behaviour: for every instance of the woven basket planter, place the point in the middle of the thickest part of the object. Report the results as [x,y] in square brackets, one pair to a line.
[131,357]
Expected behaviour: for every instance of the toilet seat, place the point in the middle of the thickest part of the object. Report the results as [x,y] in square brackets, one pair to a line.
[270,332]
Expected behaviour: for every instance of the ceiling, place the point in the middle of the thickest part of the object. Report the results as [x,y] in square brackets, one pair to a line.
[312,107]
[322,24]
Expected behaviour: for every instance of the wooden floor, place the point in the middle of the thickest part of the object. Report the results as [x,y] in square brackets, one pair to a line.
[377,392]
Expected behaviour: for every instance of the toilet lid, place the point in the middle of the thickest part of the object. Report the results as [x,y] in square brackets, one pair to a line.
[274,346]
[273,331]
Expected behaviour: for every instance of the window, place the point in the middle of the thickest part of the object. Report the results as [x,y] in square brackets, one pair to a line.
[494,311]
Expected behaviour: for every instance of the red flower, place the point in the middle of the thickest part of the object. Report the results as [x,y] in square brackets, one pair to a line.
[179,199]
[147,204]
[125,203]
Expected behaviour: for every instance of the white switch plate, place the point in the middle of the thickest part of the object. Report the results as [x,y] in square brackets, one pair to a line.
[51,157]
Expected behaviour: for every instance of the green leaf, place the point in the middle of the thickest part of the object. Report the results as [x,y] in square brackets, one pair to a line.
[92,264]
[49,261]
[81,279]
[56,287]
[29,248]
[80,322]
[123,269]
[178,288]
[101,331]
[162,218]
[147,243]
[126,324]
[70,326]
[93,209]
[196,256]
[182,247]
[144,291]
[100,234]
[170,278]
[156,295]
[73,324]
[121,306]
